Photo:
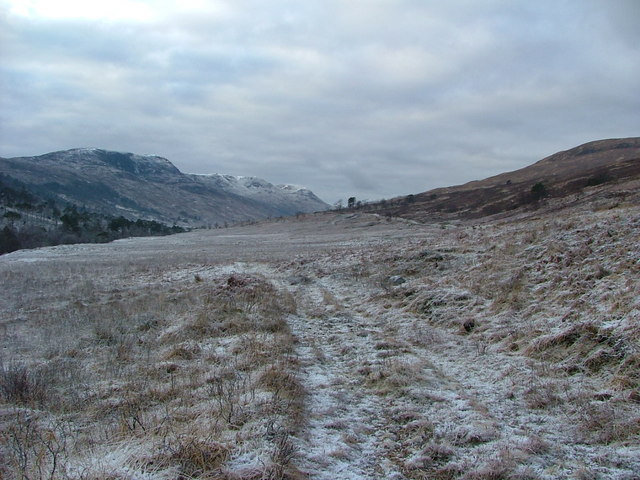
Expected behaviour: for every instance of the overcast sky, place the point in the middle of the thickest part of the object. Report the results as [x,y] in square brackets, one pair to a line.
[372,98]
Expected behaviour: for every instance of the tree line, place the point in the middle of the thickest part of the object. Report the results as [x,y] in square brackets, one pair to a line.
[29,221]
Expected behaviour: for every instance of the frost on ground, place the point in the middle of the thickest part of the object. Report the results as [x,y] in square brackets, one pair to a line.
[336,346]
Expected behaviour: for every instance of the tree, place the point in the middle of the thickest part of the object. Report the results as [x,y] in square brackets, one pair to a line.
[70,222]
[9,241]
[351,202]
[539,191]
[118,224]
[12,216]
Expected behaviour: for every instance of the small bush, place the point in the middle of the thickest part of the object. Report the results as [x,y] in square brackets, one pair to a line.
[33,450]
[539,191]
[597,180]
[20,385]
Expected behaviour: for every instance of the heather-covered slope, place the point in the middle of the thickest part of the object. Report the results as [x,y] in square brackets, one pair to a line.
[563,174]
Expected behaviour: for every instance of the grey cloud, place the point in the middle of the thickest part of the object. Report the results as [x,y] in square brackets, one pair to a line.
[370,98]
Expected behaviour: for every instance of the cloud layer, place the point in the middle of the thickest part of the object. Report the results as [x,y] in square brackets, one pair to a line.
[373,98]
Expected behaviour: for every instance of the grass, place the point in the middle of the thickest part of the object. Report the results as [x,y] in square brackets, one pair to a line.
[193,372]
[554,290]
[178,368]
[393,376]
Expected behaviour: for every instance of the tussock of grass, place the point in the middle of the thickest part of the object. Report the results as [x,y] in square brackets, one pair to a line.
[393,376]
[195,457]
[627,374]
[542,395]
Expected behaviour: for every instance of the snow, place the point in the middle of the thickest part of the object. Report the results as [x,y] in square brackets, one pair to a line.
[264,191]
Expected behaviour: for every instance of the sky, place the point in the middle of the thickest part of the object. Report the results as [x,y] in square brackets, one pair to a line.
[365,98]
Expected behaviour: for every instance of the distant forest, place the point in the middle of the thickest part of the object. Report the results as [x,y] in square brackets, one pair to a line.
[28,220]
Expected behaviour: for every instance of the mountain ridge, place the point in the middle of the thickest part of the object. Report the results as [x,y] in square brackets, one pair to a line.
[151,187]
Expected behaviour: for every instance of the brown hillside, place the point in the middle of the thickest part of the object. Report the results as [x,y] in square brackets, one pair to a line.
[603,162]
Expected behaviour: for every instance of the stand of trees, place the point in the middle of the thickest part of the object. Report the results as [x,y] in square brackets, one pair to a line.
[27,221]
[78,228]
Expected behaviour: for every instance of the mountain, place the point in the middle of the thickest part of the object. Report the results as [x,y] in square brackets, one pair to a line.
[151,187]
[567,174]
[279,196]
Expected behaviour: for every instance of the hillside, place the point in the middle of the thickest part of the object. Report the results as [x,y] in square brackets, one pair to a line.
[567,174]
[152,188]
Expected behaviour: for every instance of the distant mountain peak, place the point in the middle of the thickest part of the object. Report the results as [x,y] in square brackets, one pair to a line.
[292,188]
[151,187]
[259,189]
[97,157]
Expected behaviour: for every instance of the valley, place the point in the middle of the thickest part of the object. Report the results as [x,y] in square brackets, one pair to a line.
[340,345]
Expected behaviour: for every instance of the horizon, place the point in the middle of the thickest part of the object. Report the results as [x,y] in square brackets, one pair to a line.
[274,182]
[367,99]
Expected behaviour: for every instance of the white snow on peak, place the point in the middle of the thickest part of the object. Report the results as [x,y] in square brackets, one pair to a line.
[288,187]
[260,189]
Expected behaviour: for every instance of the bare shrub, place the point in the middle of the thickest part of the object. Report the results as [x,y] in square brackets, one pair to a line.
[227,390]
[33,450]
[21,385]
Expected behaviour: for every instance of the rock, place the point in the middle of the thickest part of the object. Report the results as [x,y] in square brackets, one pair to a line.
[469,325]
[299,280]
[431,256]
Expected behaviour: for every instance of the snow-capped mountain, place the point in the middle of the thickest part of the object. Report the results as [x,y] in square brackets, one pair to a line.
[258,189]
[151,187]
